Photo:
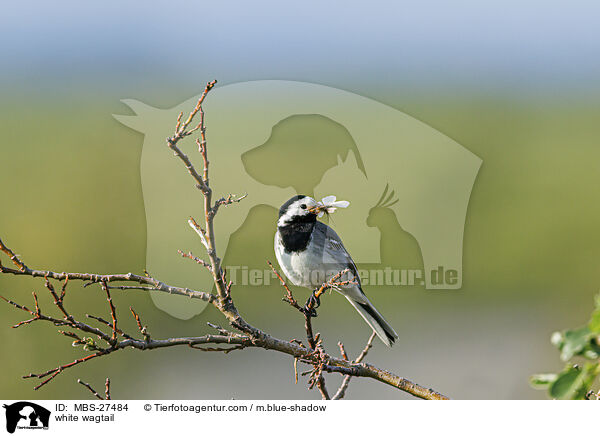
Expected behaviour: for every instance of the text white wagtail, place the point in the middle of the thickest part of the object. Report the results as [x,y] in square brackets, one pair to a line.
[310,253]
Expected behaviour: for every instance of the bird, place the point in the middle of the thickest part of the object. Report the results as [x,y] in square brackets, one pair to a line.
[310,252]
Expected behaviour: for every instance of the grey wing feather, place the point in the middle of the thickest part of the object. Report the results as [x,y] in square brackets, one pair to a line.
[337,257]
[334,252]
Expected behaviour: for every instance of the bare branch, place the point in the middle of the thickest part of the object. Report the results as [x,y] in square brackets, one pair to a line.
[341,392]
[200,231]
[93,278]
[49,375]
[254,338]
[94,392]
[143,329]
[125,288]
[226,201]
[57,301]
[113,311]
[219,328]
[365,350]
[13,257]
[224,350]
[199,261]
[91,389]
[343,351]
[188,164]
[108,324]
[289,298]
[107,389]
[63,289]
[181,132]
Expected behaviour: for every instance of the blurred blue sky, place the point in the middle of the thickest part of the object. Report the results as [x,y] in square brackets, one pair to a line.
[509,45]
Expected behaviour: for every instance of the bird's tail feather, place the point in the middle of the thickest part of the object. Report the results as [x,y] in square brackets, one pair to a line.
[379,325]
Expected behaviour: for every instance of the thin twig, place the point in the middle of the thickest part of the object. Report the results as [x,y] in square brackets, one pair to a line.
[181,132]
[107,389]
[93,278]
[113,311]
[289,298]
[49,375]
[199,261]
[343,351]
[226,201]
[346,382]
[143,329]
[13,257]
[91,389]
[108,324]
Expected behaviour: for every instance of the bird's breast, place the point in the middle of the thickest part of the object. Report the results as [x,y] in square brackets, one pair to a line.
[296,236]
[303,268]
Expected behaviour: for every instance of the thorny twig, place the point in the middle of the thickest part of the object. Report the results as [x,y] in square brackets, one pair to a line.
[249,336]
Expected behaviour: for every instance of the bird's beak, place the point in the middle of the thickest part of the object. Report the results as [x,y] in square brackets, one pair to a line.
[317,209]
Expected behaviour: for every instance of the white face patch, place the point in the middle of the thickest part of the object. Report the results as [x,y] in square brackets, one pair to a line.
[297,208]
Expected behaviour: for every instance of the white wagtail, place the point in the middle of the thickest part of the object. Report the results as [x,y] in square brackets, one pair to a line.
[310,253]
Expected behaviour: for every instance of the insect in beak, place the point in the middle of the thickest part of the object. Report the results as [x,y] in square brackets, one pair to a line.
[318,209]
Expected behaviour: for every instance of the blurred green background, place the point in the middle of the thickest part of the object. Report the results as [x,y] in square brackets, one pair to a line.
[72,200]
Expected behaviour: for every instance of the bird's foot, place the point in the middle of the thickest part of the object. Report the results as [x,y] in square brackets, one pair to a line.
[311,305]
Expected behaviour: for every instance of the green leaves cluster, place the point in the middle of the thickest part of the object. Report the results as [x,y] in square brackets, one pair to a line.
[575,380]
[89,344]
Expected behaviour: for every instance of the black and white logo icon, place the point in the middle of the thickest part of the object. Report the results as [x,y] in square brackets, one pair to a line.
[26,415]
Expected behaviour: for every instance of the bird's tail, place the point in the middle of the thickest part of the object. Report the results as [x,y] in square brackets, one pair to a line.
[379,325]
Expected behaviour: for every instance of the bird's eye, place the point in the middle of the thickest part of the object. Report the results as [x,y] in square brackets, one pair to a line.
[303,206]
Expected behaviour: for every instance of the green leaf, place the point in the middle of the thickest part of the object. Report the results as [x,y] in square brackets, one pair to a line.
[574,342]
[89,344]
[567,383]
[588,376]
[574,382]
[542,381]
[594,324]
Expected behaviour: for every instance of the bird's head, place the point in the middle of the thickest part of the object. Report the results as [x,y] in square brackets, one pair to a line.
[299,209]
[304,209]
